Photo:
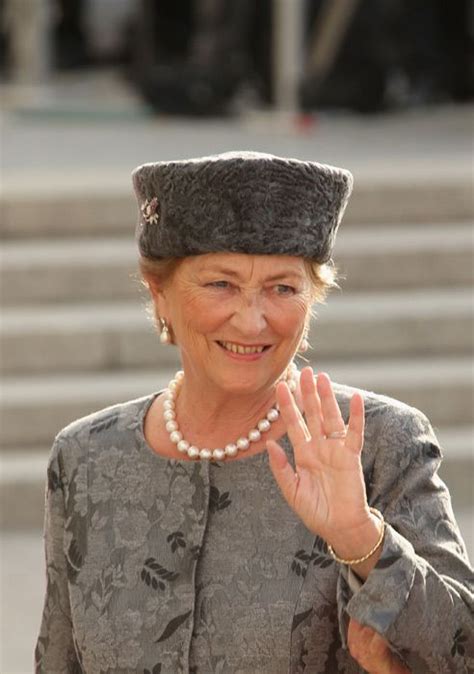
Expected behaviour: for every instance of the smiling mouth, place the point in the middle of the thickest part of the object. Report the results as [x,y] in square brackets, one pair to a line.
[239,348]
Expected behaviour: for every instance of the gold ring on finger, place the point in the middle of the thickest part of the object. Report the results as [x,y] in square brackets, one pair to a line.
[337,434]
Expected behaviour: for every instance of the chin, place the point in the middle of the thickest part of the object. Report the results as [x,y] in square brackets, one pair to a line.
[244,383]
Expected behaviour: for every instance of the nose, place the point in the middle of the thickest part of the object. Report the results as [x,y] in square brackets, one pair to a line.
[249,317]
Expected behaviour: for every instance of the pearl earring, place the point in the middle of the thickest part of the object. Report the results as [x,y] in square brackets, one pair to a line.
[165,337]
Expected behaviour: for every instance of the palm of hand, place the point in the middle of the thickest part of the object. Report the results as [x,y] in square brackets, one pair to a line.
[330,493]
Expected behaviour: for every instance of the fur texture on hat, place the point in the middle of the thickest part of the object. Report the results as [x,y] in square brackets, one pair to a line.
[240,202]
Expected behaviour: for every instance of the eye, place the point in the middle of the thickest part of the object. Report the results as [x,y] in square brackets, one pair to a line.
[219,284]
[282,289]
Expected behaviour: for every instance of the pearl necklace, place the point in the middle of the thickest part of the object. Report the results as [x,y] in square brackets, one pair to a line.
[242,444]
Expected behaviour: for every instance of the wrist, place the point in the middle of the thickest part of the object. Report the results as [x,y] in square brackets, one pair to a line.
[360,542]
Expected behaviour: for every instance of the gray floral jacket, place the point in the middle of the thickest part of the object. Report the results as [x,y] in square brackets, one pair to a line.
[164,566]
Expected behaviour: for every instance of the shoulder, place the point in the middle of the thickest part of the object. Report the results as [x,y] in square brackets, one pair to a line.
[103,419]
[380,407]
[73,440]
[400,447]
[390,424]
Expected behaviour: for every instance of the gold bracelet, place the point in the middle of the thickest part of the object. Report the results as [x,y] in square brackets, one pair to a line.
[351,562]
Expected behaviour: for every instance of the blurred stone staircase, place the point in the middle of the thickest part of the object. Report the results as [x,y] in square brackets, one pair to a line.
[74,336]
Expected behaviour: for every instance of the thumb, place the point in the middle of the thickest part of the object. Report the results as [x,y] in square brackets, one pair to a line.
[282,471]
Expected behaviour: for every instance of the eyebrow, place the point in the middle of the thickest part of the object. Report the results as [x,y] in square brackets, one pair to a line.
[276,277]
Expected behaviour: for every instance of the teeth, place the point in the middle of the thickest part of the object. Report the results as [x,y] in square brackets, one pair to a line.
[236,348]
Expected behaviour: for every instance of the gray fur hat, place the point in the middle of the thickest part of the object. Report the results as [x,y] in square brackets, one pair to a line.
[240,202]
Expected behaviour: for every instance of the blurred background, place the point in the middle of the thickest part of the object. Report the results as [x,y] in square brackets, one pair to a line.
[92,88]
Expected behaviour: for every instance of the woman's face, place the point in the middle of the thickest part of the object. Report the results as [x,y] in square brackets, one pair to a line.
[237,319]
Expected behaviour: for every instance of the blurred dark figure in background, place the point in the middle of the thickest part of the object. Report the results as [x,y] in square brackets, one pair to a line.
[388,53]
[367,55]
[70,48]
[194,56]
[347,55]
[436,39]
[191,57]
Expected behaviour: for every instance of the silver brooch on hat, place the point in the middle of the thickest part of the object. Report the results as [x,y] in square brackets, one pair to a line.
[150,211]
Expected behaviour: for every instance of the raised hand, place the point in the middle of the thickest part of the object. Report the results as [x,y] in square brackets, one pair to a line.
[329,496]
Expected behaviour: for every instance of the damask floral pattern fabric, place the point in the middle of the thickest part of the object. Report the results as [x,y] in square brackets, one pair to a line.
[161,566]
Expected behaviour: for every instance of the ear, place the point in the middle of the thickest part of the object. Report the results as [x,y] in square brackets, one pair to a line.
[158,294]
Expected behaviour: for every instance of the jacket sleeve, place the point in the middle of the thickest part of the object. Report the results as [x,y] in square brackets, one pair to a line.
[420,595]
[55,651]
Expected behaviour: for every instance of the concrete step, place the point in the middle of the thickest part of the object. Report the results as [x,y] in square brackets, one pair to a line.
[93,336]
[68,271]
[370,258]
[91,203]
[23,476]
[33,409]
[405,257]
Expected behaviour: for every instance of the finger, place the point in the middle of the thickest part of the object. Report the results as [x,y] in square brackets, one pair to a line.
[363,638]
[378,647]
[355,641]
[331,414]
[311,403]
[283,472]
[292,417]
[371,650]
[355,628]
[355,429]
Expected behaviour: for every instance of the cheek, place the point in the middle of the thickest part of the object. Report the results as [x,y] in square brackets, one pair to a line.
[203,314]
[288,317]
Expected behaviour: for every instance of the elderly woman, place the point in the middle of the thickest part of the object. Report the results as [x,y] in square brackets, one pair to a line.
[250,518]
